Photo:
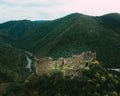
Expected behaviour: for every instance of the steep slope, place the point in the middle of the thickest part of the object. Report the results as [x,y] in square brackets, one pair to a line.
[112,21]
[12,30]
[76,33]
[13,61]
[12,64]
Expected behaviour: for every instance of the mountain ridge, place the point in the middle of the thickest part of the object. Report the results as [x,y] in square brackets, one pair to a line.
[80,25]
[74,34]
[62,39]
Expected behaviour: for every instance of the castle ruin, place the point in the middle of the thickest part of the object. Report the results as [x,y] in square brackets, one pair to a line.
[71,66]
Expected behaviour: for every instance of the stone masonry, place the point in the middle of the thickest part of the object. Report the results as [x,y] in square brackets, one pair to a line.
[71,66]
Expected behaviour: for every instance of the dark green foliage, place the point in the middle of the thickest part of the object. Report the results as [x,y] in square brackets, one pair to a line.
[12,60]
[12,64]
[94,82]
[12,30]
[74,34]
[98,82]
[64,37]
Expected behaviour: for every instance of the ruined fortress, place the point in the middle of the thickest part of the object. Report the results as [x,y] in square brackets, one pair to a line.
[71,66]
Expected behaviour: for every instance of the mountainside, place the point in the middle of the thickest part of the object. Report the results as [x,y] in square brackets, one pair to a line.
[74,34]
[66,36]
[12,30]
[13,61]
[12,64]
[27,74]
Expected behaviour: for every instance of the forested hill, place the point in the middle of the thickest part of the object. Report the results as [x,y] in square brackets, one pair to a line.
[70,35]
[76,33]
[12,64]
[63,37]
[12,30]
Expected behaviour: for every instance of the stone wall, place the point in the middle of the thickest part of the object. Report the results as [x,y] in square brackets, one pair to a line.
[44,66]
[69,66]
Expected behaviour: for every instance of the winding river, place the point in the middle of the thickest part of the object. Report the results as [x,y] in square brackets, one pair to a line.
[29,65]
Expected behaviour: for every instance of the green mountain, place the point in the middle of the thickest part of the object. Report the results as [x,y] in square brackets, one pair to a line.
[74,34]
[63,37]
[12,64]
[12,30]
[68,35]
[13,61]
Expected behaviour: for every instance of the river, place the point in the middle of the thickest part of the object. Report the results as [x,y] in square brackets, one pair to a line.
[29,64]
[29,60]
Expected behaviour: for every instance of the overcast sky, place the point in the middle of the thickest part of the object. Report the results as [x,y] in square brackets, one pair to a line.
[52,9]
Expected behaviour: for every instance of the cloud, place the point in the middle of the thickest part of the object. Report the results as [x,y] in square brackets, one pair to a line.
[29,9]
[32,3]
[52,9]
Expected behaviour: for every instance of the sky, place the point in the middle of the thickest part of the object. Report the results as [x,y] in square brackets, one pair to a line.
[53,9]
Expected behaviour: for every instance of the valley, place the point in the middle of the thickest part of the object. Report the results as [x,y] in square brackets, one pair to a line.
[76,55]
